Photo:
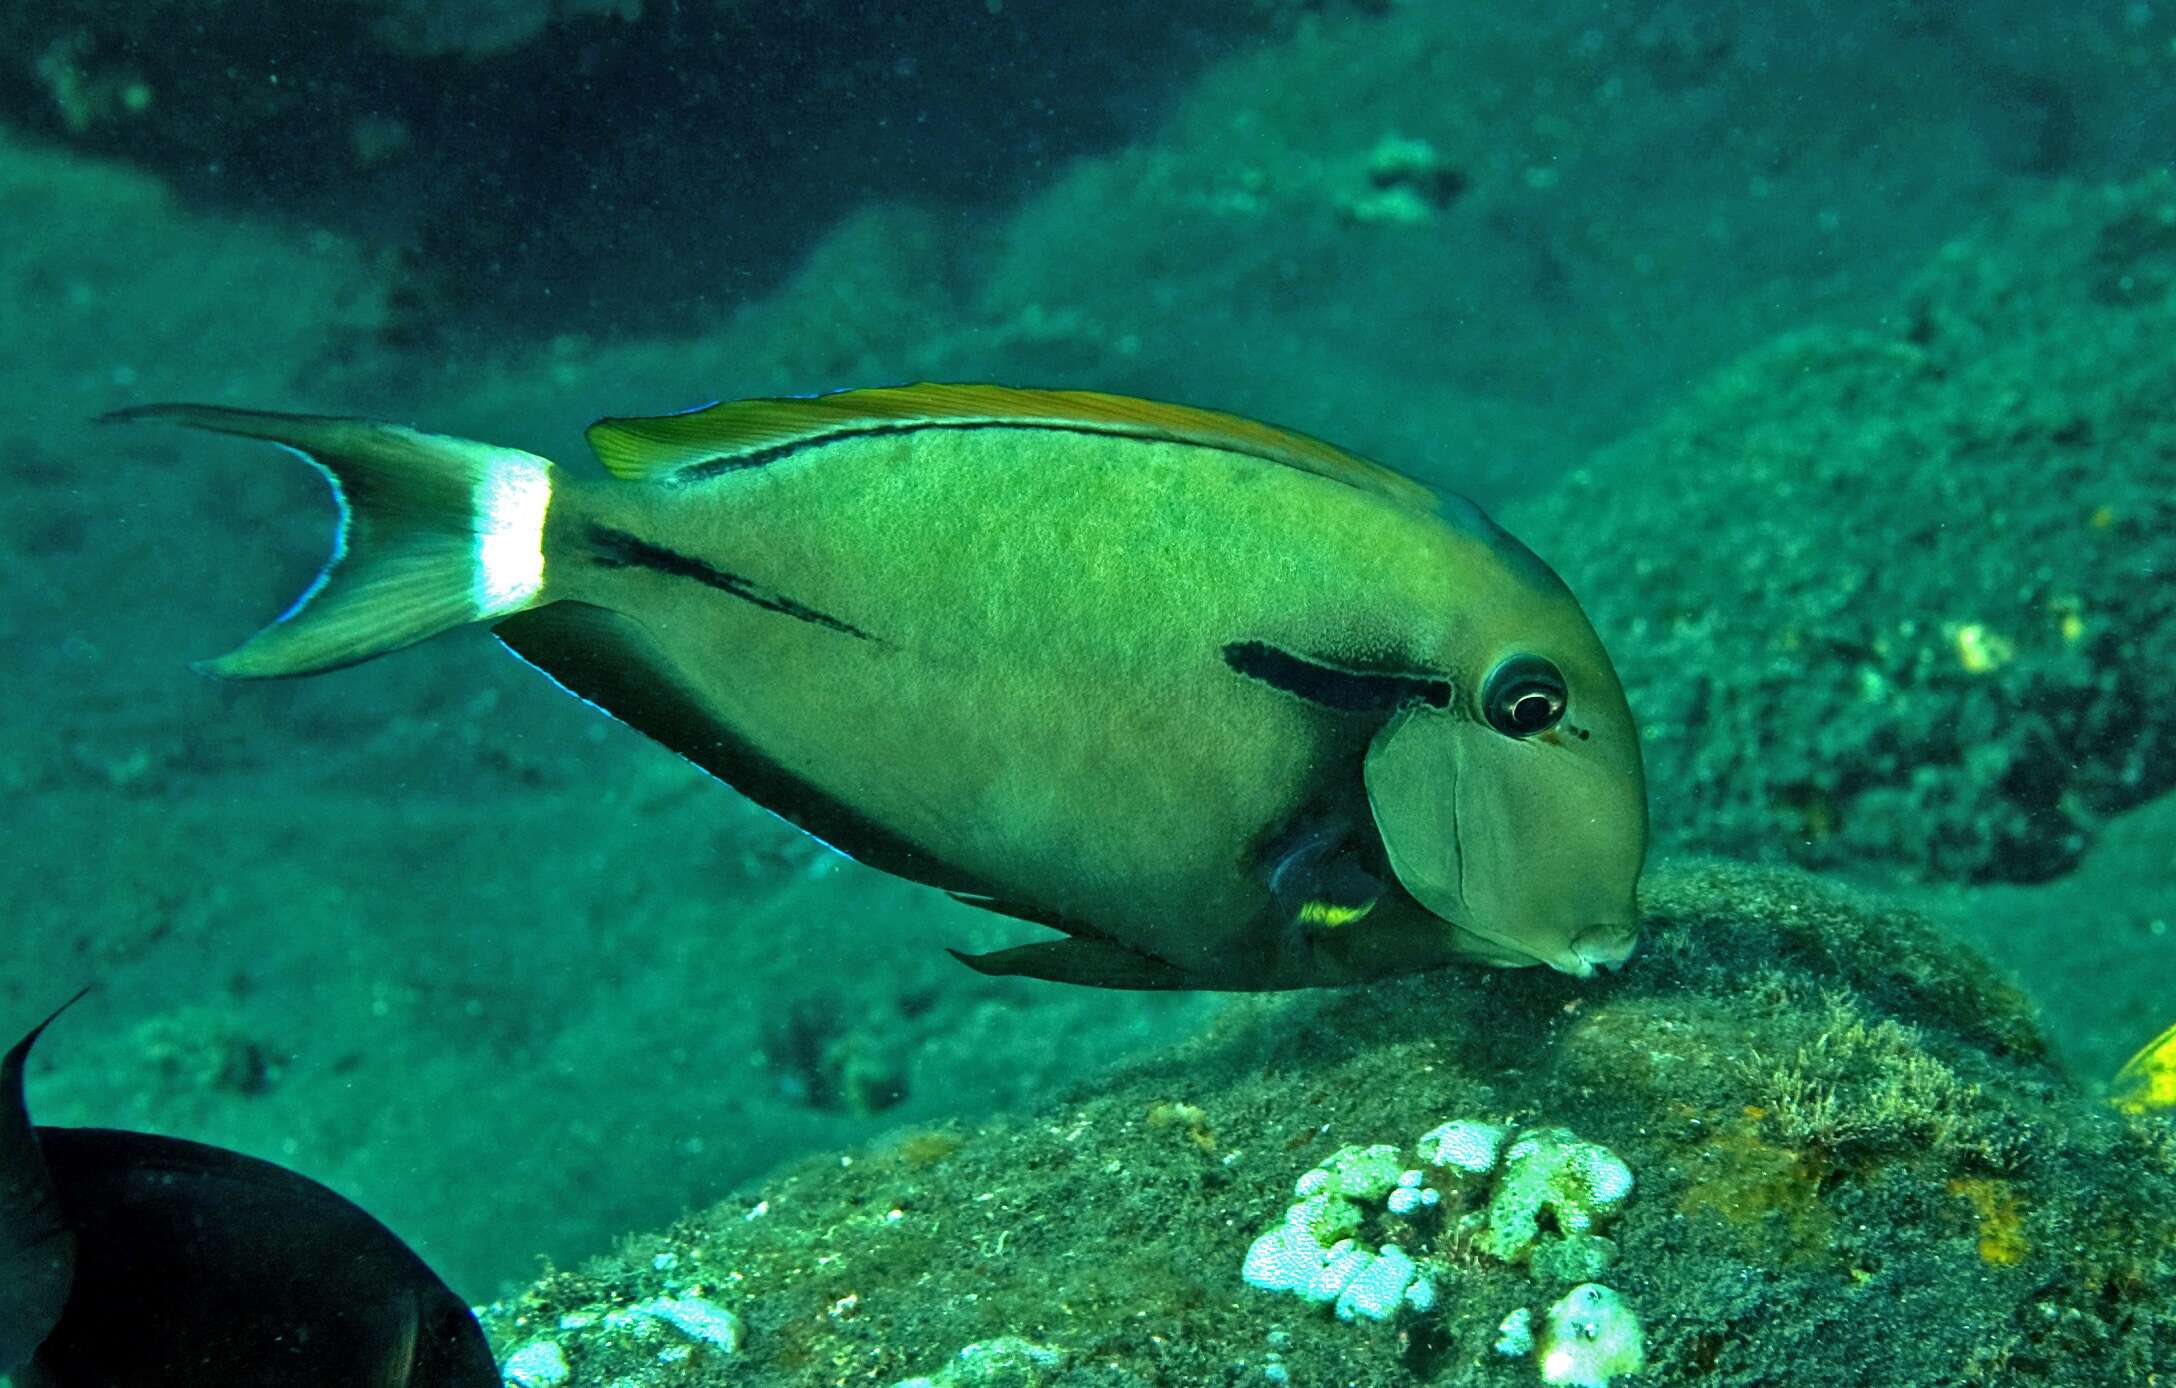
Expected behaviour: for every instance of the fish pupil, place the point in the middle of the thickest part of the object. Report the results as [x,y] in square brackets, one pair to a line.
[1532,712]
[1525,696]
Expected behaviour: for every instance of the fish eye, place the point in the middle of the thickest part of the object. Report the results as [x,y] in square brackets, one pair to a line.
[1523,696]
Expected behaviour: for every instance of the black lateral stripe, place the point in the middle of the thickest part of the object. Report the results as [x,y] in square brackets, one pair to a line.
[739,462]
[616,549]
[1346,690]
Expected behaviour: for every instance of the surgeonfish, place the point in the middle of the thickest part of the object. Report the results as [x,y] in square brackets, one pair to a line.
[129,1260]
[1225,705]
[2147,1081]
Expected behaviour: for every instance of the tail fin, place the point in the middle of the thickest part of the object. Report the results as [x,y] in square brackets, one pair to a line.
[435,532]
[37,1248]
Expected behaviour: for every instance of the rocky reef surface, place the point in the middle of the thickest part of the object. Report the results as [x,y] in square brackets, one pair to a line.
[1468,241]
[1850,1163]
[1900,595]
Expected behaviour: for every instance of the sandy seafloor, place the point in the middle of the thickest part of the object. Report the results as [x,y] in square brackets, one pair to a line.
[518,981]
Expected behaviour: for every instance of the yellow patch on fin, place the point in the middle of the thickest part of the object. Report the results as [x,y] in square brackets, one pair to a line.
[647,449]
[1332,914]
[2147,1081]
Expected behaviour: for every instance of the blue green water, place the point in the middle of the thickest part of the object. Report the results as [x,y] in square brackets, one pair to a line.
[1818,345]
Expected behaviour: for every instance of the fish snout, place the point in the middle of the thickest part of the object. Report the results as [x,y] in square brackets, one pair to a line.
[1597,947]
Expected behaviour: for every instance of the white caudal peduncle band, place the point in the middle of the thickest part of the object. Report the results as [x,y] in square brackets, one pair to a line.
[512,496]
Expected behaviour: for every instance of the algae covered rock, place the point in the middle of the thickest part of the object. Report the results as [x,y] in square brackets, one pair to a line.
[1899,595]
[1853,1162]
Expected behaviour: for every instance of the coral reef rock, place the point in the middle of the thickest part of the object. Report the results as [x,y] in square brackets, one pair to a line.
[1894,595]
[1854,1161]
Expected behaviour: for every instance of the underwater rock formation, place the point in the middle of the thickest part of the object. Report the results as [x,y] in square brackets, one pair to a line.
[1900,594]
[475,140]
[1854,1166]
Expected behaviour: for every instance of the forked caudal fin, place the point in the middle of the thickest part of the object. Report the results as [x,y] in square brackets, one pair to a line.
[434,533]
[37,1247]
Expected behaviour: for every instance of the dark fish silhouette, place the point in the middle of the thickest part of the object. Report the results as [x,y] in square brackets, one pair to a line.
[128,1259]
[37,1249]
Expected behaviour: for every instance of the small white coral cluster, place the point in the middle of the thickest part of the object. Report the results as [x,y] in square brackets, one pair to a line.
[1578,1184]
[1538,1196]
[1315,1254]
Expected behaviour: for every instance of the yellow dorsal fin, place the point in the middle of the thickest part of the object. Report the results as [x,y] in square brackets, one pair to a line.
[740,430]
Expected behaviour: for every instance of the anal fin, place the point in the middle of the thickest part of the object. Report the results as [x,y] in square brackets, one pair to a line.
[610,660]
[1033,915]
[1081,959]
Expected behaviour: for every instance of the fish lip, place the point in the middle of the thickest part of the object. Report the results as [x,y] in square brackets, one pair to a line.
[1595,948]
[1572,962]
[1601,947]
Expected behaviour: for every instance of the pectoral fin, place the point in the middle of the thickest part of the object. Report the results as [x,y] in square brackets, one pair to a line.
[1321,877]
[1081,959]
[1345,896]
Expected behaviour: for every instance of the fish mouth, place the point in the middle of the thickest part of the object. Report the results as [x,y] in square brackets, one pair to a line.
[1569,962]
[1597,947]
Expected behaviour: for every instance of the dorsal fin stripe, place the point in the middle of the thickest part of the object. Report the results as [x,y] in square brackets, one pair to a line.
[748,433]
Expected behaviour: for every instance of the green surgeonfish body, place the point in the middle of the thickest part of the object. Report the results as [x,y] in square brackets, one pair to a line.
[1226,706]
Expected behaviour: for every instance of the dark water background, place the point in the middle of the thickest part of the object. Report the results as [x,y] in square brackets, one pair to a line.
[518,981]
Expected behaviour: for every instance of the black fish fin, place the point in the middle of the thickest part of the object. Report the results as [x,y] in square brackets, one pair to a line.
[399,1366]
[1033,915]
[11,1065]
[1081,959]
[608,660]
[37,1248]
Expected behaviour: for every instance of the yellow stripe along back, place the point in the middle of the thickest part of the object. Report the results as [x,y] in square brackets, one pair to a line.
[738,432]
